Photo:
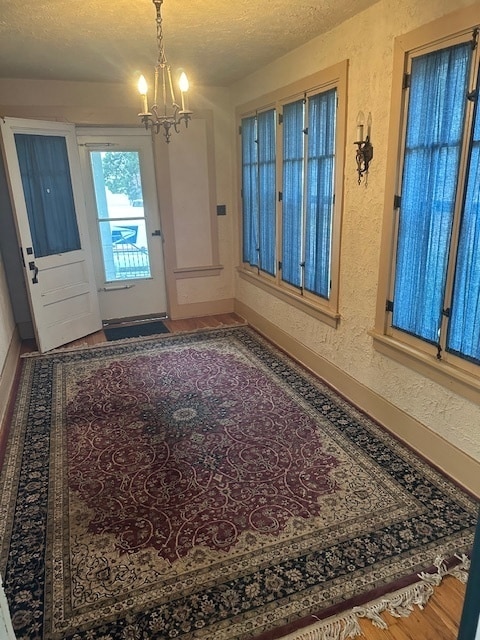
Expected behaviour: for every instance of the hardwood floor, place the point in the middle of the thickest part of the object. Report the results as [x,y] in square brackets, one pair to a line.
[174,326]
[441,617]
[438,621]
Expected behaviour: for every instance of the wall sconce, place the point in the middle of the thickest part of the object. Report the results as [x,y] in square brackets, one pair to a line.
[364,153]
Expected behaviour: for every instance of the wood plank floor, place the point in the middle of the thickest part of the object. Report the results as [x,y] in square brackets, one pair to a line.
[441,617]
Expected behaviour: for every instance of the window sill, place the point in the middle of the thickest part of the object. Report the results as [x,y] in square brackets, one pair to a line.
[461,382]
[325,315]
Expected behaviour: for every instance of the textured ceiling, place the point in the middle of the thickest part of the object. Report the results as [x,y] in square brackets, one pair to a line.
[216,41]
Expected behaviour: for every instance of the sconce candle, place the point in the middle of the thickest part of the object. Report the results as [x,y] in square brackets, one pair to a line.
[360,119]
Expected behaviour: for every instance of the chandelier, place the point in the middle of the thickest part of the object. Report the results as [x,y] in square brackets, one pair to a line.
[165,112]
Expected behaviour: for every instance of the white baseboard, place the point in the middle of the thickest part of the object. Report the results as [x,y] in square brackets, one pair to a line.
[459,466]
[199,309]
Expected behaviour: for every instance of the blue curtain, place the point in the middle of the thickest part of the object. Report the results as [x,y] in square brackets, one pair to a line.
[436,111]
[292,209]
[250,195]
[464,328]
[47,187]
[320,184]
[267,190]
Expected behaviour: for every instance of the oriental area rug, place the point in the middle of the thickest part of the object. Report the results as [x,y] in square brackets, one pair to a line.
[206,486]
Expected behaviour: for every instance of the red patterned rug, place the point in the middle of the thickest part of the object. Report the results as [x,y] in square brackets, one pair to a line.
[205,486]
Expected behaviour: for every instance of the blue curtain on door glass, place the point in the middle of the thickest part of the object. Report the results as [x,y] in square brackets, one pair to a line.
[47,187]
[250,197]
[293,159]
[266,189]
[319,198]
[464,329]
[432,149]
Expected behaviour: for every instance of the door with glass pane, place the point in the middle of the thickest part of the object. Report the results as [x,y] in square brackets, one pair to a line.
[43,170]
[124,223]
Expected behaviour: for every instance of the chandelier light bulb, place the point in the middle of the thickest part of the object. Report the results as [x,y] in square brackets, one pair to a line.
[142,89]
[142,86]
[183,82]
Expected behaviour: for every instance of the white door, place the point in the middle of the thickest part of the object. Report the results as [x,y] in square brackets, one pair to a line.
[43,169]
[124,222]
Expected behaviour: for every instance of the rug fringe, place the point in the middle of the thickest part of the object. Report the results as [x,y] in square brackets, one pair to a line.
[399,604]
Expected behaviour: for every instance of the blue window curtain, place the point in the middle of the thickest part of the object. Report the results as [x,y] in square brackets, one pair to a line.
[436,110]
[250,194]
[47,187]
[320,191]
[293,178]
[464,328]
[267,190]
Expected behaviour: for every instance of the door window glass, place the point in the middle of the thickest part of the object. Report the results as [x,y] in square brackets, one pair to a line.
[47,188]
[120,212]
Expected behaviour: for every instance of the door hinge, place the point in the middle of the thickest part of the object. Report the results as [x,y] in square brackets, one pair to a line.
[280,118]
[397,201]
[279,265]
[407,78]
[389,306]
[240,130]
[280,196]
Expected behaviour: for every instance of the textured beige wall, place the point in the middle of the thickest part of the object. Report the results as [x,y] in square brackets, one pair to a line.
[94,104]
[367,42]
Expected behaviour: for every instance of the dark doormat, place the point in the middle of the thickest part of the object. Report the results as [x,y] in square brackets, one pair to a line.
[135,330]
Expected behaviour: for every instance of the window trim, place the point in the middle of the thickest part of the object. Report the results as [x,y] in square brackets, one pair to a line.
[335,76]
[455,374]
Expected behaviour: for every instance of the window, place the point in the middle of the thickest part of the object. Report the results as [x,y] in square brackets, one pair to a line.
[308,191]
[259,190]
[432,311]
[291,172]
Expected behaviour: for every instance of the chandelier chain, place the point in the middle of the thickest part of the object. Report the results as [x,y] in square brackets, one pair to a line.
[162,60]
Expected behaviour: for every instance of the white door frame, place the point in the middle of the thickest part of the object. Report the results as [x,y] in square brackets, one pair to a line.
[126,298]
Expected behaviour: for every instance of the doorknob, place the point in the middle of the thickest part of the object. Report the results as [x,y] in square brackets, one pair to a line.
[33,267]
